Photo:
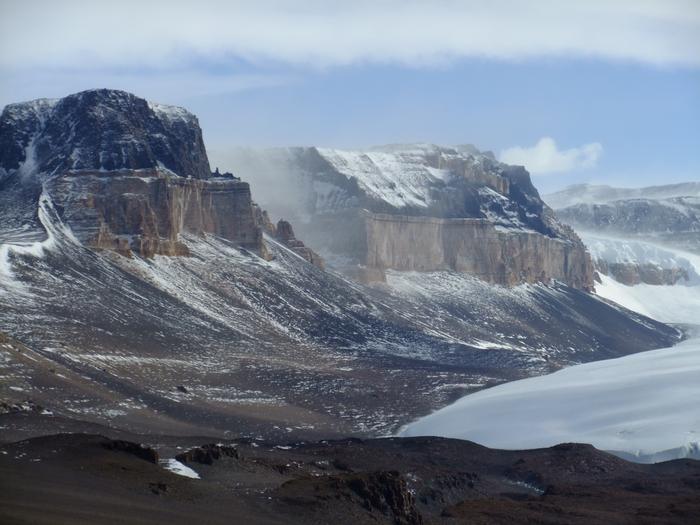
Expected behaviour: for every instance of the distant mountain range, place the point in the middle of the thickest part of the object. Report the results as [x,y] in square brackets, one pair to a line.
[601,194]
[635,235]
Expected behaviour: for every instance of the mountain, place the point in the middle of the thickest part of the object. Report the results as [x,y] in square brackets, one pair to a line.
[636,235]
[140,290]
[602,194]
[127,175]
[419,207]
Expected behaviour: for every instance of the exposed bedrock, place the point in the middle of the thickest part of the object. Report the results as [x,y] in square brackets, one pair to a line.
[419,207]
[125,174]
[474,246]
[285,234]
[146,211]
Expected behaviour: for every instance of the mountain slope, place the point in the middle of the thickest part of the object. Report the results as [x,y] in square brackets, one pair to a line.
[149,299]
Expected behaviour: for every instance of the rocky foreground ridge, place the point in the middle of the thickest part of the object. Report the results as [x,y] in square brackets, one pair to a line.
[88,478]
[422,208]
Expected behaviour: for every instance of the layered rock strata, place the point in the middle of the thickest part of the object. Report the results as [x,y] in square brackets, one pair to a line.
[476,247]
[420,207]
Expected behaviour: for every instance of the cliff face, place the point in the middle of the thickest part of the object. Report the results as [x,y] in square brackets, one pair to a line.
[476,247]
[145,211]
[423,207]
[126,174]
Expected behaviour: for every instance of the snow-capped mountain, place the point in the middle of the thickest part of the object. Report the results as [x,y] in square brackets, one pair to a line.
[602,194]
[667,215]
[641,407]
[419,207]
[142,292]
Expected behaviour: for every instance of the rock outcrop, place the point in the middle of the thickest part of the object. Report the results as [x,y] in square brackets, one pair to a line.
[476,247]
[284,233]
[421,207]
[125,174]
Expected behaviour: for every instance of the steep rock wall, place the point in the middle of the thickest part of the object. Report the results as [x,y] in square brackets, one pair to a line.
[145,211]
[474,246]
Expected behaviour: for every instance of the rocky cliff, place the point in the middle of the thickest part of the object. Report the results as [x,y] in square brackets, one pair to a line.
[476,247]
[125,174]
[421,207]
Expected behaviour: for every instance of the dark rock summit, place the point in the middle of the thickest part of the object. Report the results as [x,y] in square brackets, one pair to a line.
[125,174]
[101,130]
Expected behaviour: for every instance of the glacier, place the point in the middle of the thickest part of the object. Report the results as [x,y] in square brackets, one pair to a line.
[642,407]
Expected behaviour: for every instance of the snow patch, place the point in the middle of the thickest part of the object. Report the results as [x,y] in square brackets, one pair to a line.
[174,466]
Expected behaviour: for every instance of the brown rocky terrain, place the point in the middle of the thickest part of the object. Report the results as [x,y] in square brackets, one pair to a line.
[634,273]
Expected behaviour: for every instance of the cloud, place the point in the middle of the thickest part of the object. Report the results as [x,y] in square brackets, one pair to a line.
[317,33]
[153,85]
[544,158]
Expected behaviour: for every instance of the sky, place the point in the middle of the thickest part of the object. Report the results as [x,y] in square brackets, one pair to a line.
[606,92]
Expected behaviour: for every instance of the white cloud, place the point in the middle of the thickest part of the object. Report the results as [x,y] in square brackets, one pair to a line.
[546,158]
[162,33]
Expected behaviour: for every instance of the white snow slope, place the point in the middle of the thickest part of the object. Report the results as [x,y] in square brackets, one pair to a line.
[643,407]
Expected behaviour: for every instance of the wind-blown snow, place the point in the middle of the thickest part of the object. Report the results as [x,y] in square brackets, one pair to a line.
[634,251]
[645,405]
[400,179]
[34,249]
[668,304]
